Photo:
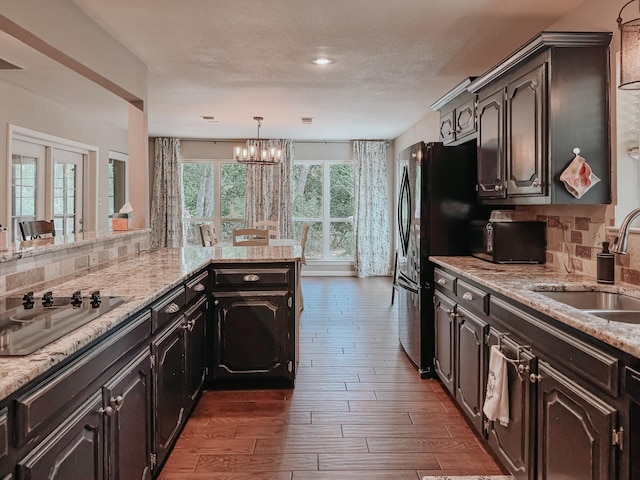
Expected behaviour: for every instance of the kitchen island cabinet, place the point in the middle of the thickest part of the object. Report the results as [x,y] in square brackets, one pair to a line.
[108,400]
[569,418]
[254,322]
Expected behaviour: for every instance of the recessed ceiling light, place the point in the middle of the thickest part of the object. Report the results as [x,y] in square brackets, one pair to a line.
[322,61]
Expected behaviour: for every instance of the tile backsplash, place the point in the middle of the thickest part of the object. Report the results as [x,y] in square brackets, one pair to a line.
[575,234]
[19,274]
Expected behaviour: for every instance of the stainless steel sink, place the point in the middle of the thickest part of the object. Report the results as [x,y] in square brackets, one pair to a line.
[622,316]
[614,307]
[587,300]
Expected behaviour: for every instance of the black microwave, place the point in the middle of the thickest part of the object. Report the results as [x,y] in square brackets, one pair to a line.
[508,242]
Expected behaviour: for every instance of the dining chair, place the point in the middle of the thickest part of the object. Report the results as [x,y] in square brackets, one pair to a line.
[250,237]
[269,225]
[36,228]
[303,241]
[208,235]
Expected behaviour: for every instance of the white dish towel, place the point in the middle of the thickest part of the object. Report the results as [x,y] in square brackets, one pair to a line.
[496,402]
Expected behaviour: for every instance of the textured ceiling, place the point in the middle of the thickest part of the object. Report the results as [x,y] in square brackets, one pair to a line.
[235,59]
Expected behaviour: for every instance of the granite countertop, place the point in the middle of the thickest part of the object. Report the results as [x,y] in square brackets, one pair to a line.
[521,283]
[145,277]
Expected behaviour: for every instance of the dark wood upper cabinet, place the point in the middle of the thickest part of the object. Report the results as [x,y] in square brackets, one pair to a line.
[534,108]
[457,114]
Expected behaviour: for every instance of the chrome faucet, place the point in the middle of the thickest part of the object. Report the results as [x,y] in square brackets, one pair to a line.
[620,243]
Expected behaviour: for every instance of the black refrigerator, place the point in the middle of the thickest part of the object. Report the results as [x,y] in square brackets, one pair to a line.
[437,200]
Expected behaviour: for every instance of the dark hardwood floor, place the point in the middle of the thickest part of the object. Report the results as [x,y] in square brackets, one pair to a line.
[359,409]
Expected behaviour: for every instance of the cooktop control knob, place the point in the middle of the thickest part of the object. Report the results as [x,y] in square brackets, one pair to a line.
[27,300]
[47,299]
[76,299]
[95,299]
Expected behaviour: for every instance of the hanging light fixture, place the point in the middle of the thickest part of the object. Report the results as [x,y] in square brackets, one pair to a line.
[258,151]
[629,51]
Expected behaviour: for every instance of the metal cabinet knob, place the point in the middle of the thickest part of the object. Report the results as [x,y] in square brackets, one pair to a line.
[108,411]
[536,183]
[198,287]
[216,302]
[442,281]
[533,378]
[251,278]
[117,401]
[171,308]
[467,296]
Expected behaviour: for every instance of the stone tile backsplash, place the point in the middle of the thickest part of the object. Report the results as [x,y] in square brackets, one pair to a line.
[18,275]
[574,238]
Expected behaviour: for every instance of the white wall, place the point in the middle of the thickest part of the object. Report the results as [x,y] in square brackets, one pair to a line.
[99,57]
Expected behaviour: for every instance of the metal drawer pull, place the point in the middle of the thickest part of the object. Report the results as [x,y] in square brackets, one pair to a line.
[117,401]
[467,296]
[198,287]
[172,308]
[442,281]
[251,278]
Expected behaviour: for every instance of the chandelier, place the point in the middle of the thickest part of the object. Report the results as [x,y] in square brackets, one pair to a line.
[259,152]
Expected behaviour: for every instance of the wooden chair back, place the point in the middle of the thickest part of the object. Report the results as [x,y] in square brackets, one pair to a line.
[208,235]
[250,237]
[269,225]
[33,229]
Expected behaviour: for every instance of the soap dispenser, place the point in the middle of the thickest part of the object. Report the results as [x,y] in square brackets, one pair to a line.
[605,265]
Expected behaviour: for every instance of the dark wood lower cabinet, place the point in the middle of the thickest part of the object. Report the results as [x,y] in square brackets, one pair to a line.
[168,350]
[253,335]
[574,430]
[196,348]
[513,444]
[128,395]
[73,450]
[444,344]
[471,357]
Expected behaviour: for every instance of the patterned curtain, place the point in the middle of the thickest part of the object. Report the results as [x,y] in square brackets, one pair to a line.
[166,197]
[268,194]
[371,218]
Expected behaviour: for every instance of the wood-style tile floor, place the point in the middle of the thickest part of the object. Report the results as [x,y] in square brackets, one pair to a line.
[359,410]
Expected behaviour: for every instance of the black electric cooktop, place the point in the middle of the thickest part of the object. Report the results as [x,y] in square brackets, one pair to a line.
[27,323]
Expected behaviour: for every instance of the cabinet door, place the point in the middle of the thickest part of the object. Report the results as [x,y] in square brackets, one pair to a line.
[196,360]
[491,161]
[444,348]
[73,450]
[465,118]
[525,134]
[574,430]
[447,128]
[253,335]
[514,443]
[169,386]
[128,394]
[471,356]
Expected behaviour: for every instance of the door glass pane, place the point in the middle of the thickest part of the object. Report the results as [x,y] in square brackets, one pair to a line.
[197,191]
[313,248]
[307,191]
[341,187]
[192,233]
[232,197]
[342,241]
[23,191]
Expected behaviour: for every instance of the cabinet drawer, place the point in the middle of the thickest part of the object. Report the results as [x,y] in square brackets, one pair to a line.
[473,297]
[561,348]
[251,277]
[444,280]
[165,309]
[197,286]
[58,393]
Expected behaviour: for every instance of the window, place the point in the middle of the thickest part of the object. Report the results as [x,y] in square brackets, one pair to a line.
[67,191]
[213,192]
[323,197]
[24,180]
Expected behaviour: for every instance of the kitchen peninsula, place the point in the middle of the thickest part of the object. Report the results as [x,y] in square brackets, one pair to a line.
[134,374]
[572,374]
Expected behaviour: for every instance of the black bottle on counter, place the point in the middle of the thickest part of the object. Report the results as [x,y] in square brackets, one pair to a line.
[605,265]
